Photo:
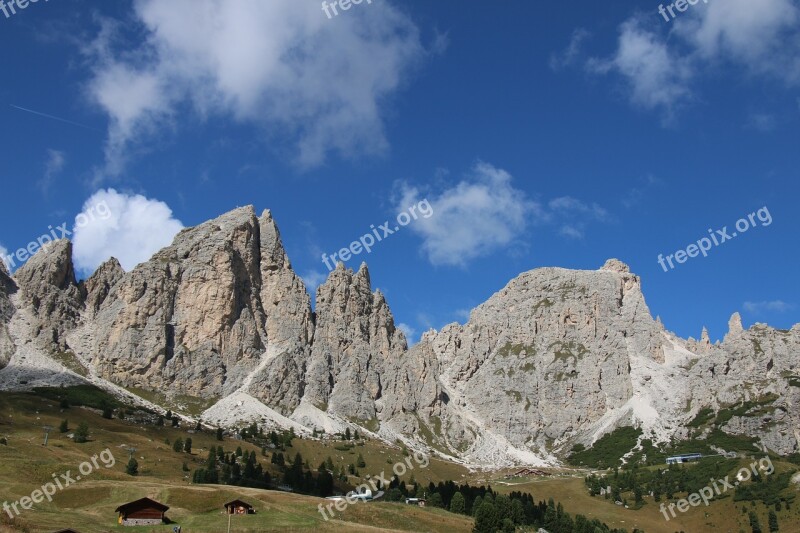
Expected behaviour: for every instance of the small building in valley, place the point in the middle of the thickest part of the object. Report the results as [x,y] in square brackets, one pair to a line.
[685,458]
[142,512]
[239,507]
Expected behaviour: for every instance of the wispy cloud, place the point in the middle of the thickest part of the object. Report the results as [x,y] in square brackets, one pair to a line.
[3,255]
[661,63]
[409,332]
[574,215]
[313,279]
[774,306]
[52,167]
[635,195]
[570,54]
[657,77]
[762,122]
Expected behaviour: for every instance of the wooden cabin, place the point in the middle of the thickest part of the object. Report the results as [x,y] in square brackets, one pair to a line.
[143,512]
[239,507]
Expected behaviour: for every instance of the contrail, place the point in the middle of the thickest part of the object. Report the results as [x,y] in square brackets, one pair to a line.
[45,115]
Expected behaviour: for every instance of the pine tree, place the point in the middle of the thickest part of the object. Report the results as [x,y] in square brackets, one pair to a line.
[476,505]
[64,427]
[360,461]
[219,434]
[177,445]
[133,467]
[82,433]
[457,504]
[347,434]
[773,522]
[755,525]
[486,519]
[187,446]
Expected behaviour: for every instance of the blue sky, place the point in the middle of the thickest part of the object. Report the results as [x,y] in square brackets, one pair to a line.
[542,134]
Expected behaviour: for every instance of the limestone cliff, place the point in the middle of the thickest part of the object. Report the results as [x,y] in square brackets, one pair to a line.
[556,357]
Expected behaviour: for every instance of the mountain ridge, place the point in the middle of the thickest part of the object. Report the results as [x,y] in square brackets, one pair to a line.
[555,358]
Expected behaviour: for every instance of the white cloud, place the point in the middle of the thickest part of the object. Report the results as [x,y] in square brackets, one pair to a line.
[774,306]
[129,227]
[313,279]
[658,78]
[479,216]
[485,213]
[762,36]
[281,65]
[409,332]
[52,167]
[659,66]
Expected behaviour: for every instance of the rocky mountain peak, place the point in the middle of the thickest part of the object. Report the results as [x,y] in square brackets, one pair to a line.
[615,265]
[99,284]
[554,358]
[735,324]
[48,282]
[273,254]
[51,265]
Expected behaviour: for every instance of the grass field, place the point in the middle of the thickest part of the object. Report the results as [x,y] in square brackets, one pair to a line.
[724,515]
[88,505]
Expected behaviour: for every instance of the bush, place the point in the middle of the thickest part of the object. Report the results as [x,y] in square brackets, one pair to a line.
[64,427]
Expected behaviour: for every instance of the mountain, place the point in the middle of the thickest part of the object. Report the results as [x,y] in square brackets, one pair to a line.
[556,358]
